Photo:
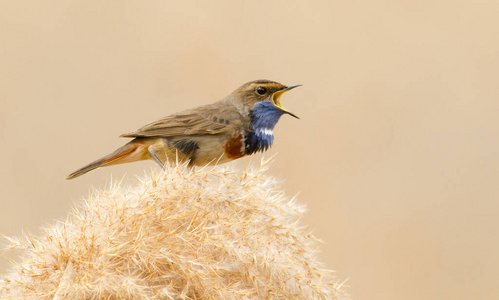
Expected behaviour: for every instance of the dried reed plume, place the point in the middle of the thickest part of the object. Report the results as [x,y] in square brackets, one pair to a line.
[214,233]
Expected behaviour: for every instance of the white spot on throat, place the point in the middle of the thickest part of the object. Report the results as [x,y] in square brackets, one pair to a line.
[265,131]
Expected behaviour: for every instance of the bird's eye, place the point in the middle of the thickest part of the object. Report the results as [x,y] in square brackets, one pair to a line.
[261,90]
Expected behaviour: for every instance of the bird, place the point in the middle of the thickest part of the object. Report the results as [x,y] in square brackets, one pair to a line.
[240,124]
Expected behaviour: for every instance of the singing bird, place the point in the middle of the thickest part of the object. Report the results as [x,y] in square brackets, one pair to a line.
[240,124]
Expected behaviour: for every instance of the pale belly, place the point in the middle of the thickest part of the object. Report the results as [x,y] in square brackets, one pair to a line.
[218,149]
[208,149]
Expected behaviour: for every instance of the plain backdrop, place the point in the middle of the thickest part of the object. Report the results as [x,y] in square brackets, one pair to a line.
[395,155]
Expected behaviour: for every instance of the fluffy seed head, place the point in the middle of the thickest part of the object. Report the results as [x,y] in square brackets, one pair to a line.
[214,233]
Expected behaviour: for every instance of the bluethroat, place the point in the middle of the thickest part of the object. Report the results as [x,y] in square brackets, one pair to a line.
[240,124]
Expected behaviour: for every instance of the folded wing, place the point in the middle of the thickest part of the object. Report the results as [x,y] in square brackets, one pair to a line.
[204,120]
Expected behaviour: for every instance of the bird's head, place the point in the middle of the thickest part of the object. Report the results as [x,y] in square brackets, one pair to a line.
[268,91]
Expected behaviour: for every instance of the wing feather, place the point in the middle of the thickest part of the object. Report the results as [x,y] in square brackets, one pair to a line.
[204,120]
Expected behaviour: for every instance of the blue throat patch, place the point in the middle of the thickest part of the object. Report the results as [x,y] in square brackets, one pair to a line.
[264,116]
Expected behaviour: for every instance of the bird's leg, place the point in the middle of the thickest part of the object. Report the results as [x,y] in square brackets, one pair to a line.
[152,152]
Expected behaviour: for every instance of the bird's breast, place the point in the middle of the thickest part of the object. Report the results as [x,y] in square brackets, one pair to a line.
[234,146]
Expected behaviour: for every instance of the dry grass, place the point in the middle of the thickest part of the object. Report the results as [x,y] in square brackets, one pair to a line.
[215,233]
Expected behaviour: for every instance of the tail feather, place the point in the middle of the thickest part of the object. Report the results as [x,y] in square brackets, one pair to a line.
[110,159]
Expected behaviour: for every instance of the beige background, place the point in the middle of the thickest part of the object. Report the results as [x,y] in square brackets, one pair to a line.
[396,152]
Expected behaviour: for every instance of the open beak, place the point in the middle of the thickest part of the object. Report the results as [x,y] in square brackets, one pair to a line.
[276,98]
